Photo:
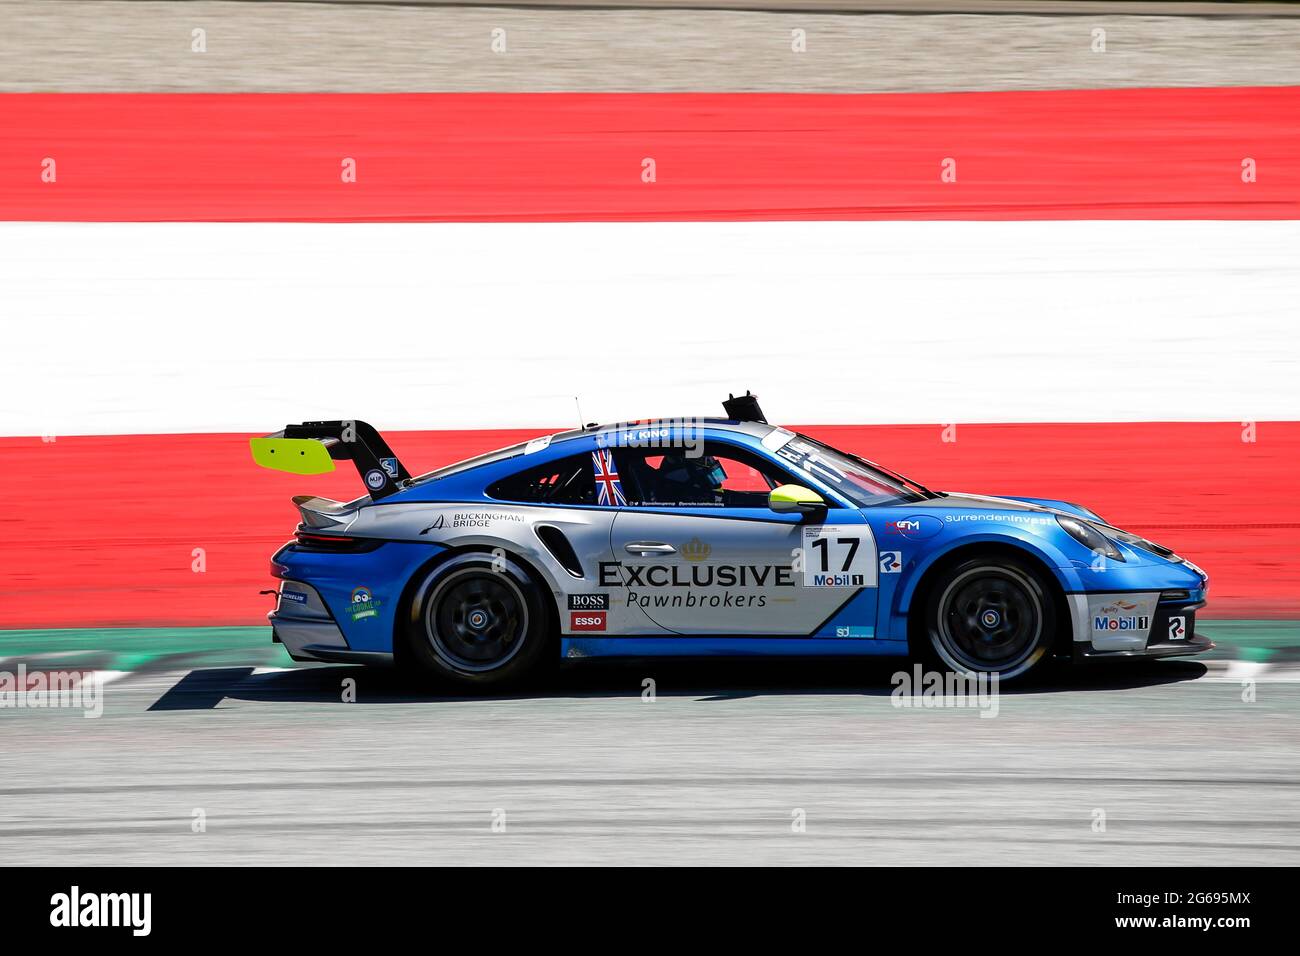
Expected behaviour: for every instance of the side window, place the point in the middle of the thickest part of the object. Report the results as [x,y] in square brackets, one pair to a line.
[569,481]
[723,476]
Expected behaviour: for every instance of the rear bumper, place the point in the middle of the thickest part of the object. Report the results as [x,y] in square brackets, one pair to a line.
[308,631]
[314,641]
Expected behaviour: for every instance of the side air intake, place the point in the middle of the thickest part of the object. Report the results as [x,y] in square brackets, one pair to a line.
[560,549]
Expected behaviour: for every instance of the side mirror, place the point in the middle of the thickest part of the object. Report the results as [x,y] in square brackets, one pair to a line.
[794,499]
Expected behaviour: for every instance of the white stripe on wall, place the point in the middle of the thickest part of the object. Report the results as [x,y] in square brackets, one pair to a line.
[142,328]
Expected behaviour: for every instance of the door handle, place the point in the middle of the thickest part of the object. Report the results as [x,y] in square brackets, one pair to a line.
[644,548]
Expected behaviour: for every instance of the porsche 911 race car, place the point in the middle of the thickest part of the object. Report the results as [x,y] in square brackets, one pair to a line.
[700,537]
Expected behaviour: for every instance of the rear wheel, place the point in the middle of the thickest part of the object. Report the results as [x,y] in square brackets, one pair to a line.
[989,615]
[479,623]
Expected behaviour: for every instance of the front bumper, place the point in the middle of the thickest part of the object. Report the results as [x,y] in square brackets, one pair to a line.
[1135,624]
[1196,644]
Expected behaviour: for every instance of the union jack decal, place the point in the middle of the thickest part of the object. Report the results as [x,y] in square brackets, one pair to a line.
[608,488]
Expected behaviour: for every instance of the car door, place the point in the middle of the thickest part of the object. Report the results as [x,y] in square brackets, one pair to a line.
[570,521]
[698,550]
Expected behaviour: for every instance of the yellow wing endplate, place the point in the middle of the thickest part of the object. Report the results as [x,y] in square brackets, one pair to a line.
[298,456]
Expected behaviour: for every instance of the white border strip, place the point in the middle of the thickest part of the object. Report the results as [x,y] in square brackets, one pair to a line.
[148,328]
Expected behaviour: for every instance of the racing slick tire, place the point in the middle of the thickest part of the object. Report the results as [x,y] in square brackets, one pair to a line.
[479,622]
[989,614]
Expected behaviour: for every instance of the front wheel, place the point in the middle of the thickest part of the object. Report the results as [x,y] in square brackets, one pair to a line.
[990,615]
[476,622]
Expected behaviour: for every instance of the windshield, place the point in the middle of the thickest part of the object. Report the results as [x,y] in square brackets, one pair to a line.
[858,480]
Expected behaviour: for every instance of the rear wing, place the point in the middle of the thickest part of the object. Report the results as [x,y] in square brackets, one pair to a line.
[312,448]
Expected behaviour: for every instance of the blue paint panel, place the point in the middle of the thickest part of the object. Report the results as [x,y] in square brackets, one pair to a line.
[384,572]
[857,619]
[583,647]
[916,557]
[1068,507]
[1157,575]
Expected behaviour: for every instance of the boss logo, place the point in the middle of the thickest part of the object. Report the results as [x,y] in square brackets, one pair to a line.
[588,602]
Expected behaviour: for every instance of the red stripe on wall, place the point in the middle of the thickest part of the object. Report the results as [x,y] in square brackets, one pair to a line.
[102,531]
[1103,154]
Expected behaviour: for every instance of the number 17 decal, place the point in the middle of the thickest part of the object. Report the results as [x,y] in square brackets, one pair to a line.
[839,556]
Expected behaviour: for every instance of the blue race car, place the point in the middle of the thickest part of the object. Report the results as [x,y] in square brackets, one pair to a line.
[700,537]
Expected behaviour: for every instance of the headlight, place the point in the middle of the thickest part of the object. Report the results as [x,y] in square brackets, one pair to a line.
[1088,536]
[1137,541]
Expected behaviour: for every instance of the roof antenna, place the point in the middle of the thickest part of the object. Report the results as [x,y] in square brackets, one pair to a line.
[578,406]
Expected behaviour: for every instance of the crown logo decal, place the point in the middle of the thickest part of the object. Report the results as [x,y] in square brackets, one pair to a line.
[696,550]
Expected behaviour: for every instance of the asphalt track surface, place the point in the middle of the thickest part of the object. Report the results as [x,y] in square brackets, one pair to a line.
[80,46]
[712,771]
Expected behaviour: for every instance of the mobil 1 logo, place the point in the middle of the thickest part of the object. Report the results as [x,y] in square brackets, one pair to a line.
[839,556]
